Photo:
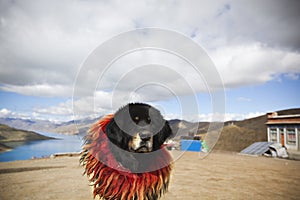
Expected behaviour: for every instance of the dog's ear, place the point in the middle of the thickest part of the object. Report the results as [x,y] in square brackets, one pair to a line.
[114,133]
[162,136]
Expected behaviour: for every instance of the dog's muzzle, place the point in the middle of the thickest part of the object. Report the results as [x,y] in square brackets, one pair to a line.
[142,142]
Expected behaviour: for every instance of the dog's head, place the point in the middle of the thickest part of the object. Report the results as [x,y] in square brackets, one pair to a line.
[138,128]
[130,141]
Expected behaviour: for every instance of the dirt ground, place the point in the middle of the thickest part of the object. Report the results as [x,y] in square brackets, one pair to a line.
[219,176]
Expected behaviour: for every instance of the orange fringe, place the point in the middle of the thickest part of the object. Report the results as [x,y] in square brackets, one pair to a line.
[117,182]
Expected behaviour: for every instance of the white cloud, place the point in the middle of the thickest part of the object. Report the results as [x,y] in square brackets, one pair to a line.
[62,109]
[211,117]
[45,90]
[253,114]
[90,106]
[44,43]
[63,112]
[5,112]
[253,64]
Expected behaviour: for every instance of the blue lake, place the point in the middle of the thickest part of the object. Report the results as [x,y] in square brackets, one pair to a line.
[43,148]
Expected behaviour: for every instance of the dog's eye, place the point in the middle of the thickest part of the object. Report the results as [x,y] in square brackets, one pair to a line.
[136,118]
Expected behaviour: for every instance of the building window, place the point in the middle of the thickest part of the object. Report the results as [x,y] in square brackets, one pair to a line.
[291,136]
[273,135]
[281,131]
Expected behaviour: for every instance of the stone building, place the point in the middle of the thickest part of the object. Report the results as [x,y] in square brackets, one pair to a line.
[284,129]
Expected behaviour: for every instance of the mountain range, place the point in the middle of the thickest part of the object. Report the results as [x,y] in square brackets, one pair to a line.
[231,135]
[73,127]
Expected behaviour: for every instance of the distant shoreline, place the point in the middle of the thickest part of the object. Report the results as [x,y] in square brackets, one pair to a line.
[12,135]
[4,148]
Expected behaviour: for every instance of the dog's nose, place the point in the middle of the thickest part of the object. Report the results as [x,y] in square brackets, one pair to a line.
[145,135]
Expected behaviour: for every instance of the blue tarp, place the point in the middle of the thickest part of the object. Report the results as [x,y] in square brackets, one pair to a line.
[190,145]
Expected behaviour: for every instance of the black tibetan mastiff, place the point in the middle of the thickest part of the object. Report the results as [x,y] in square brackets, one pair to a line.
[124,156]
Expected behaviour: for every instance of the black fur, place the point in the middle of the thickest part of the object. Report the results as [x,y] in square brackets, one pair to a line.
[129,120]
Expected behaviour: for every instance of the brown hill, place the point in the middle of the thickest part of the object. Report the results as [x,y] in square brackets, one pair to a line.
[235,138]
[8,134]
[237,135]
[182,128]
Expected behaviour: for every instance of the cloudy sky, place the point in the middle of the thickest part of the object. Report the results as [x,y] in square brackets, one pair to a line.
[47,48]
